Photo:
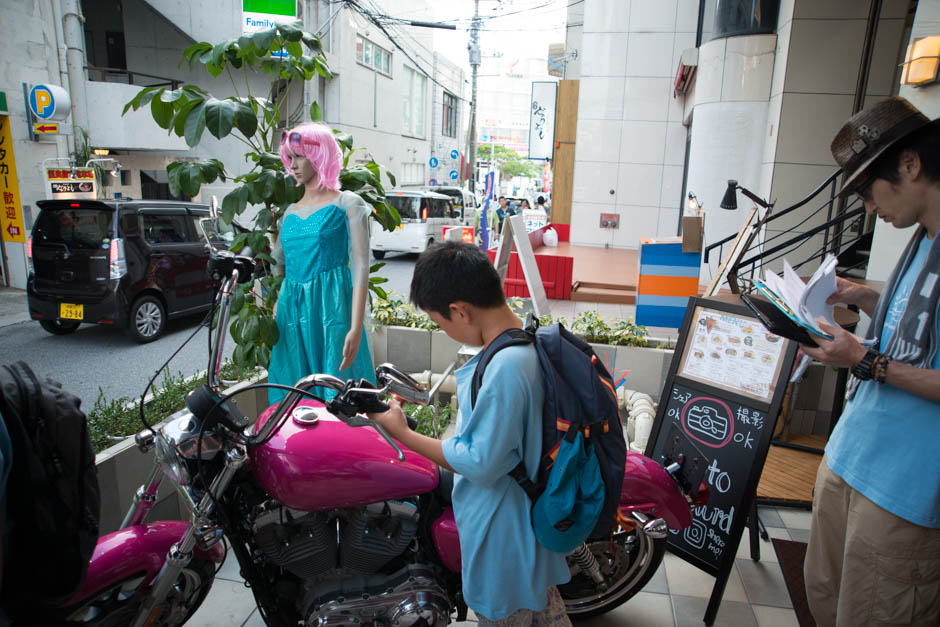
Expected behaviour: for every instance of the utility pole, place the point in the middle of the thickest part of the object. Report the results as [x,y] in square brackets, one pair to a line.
[474,48]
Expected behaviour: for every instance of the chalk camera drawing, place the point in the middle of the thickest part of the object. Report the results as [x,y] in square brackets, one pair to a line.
[708,422]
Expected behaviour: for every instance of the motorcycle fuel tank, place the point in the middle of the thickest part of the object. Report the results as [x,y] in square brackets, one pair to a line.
[316,462]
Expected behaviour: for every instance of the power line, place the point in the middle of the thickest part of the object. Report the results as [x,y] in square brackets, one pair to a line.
[359,9]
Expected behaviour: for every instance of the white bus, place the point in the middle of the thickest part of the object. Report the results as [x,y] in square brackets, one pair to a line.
[424,215]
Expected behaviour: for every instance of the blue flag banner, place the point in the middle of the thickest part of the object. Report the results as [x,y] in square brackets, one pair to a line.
[484,215]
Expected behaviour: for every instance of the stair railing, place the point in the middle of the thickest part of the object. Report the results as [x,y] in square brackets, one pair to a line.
[842,225]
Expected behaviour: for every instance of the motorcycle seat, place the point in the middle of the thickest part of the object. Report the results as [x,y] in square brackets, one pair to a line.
[445,485]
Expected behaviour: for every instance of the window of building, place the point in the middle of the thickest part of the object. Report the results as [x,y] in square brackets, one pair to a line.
[449,117]
[414,108]
[374,56]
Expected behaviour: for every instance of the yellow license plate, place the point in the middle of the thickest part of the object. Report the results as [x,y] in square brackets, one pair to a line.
[71,312]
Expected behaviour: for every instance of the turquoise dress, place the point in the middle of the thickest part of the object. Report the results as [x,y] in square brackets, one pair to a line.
[315,303]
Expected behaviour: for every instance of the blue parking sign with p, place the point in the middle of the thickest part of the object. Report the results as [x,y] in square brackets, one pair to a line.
[42,102]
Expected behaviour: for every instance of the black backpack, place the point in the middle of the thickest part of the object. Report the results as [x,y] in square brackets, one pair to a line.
[53,500]
[579,395]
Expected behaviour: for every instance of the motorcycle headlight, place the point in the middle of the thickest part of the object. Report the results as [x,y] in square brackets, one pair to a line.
[172,463]
[180,442]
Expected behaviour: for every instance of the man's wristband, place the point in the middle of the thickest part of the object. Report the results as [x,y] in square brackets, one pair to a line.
[874,365]
[879,368]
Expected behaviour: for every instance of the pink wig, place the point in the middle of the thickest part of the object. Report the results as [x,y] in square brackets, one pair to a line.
[320,148]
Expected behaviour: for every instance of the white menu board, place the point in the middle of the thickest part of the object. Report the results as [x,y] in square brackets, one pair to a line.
[732,352]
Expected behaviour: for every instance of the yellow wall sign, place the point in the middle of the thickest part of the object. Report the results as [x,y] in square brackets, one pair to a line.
[11,211]
[45,127]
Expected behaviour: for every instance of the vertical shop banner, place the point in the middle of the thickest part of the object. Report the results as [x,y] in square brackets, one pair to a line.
[71,184]
[11,217]
[261,14]
[542,120]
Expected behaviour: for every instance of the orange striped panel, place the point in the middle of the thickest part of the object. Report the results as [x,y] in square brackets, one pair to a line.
[653,285]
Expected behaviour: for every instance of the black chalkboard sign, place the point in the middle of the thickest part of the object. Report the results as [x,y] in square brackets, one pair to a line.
[723,391]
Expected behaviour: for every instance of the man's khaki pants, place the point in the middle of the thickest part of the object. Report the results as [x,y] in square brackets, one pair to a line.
[866,566]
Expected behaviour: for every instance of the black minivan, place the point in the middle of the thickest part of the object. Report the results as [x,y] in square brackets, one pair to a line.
[130,264]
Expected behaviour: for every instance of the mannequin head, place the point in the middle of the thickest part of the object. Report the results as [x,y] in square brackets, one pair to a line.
[315,143]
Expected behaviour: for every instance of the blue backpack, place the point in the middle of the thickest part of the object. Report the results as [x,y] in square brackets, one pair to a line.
[576,494]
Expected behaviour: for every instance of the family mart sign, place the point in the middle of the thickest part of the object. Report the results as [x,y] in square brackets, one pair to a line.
[261,14]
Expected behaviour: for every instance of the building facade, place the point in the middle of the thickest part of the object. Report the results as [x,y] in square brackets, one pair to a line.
[399,101]
[773,81]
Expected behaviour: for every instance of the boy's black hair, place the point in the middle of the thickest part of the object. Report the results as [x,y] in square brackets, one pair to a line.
[501,198]
[455,271]
[540,200]
[925,142]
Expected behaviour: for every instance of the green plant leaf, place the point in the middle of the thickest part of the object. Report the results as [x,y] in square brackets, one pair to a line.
[293,31]
[264,38]
[220,117]
[173,171]
[238,301]
[269,332]
[143,98]
[179,119]
[294,49]
[246,119]
[316,113]
[161,111]
[195,125]
[251,330]
[189,179]
[391,178]
[234,204]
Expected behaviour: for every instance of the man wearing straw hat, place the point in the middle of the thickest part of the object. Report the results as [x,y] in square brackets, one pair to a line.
[874,549]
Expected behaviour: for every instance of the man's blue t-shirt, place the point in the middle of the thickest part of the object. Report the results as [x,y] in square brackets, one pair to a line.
[885,444]
[504,568]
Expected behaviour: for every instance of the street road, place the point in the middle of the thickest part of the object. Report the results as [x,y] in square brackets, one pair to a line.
[101,357]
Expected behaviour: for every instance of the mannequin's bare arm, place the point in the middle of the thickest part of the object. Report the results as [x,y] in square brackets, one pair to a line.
[357,216]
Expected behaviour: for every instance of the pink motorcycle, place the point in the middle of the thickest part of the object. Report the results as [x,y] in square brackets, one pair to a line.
[332,524]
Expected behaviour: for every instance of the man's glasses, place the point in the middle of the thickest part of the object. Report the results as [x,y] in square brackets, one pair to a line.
[864,190]
[294,139]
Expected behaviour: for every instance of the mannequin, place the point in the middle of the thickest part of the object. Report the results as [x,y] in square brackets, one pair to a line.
[323,253]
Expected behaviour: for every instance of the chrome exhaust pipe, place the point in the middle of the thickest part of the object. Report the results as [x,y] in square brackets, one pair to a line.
[656,528]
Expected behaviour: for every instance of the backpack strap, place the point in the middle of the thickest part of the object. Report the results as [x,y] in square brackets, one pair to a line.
[509,337]
[521,477]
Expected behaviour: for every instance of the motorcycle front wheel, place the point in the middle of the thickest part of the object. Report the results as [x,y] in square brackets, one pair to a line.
[118,605]
[627,563]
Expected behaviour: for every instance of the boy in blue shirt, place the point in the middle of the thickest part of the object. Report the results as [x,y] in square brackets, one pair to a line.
[508,577]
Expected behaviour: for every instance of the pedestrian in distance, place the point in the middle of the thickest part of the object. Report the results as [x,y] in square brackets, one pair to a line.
[501,212]
[525,205]
[322,251]
[540,205]
[874,548]
[509,578]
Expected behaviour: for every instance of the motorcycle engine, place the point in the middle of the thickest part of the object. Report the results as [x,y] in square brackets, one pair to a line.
[305,543]
[340,555]
[406,598]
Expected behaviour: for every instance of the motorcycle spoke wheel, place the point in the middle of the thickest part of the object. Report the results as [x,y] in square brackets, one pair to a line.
[119,604]
[627,563]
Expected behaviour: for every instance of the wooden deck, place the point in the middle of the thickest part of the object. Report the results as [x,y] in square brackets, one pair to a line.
[789,475]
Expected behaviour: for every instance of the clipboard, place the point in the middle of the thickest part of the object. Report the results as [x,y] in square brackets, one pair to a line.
[780,322]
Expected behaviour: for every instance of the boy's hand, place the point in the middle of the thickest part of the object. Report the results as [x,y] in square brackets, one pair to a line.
[392,420]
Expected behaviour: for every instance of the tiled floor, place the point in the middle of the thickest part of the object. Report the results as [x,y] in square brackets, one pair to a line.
[755,596]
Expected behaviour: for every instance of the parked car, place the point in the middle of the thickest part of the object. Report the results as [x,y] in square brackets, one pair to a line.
[129,264]
[463,200]
[424,216]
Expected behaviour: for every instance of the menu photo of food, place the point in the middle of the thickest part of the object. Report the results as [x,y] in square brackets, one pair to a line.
[732,352]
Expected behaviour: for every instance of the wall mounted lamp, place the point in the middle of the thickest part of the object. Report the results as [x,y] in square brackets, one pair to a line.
[730,199]
[694,205]
[922,62]
[115,170]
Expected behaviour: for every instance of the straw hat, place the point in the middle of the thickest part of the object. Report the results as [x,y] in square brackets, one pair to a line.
[868,133]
